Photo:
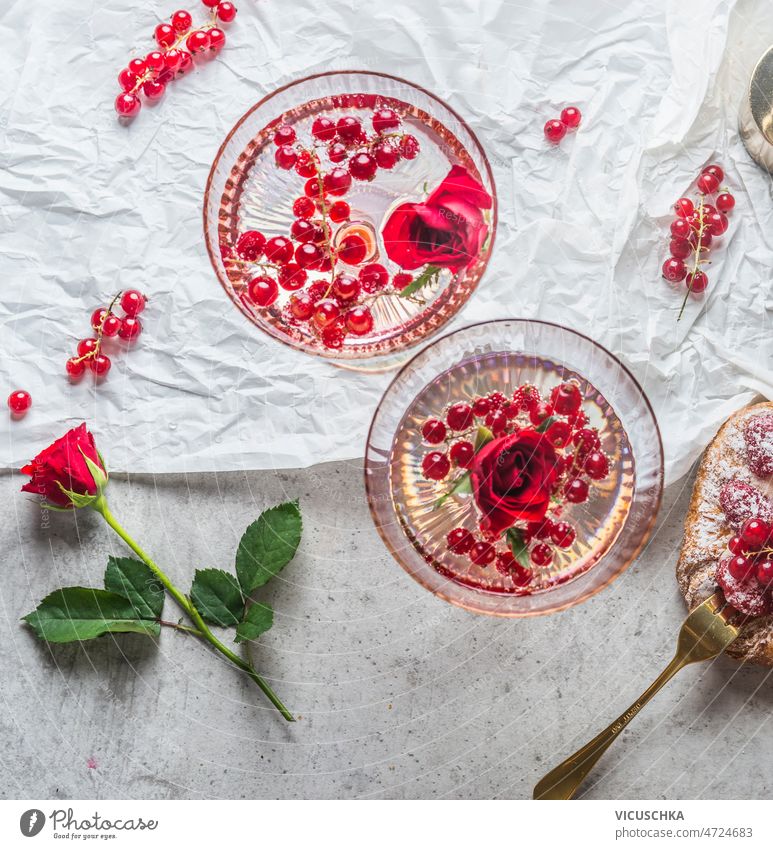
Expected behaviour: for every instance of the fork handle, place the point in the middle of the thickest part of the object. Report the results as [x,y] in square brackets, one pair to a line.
[563,781]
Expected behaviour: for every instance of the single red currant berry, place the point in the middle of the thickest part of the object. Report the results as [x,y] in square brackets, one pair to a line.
[433,431]
[97,317]
[210,4]
[739,567]
[755,533]
[373,277]
[554,131]
[155,62]
[697,282]
[181,21]
[284,134]
[460,416]
[74,368]
[172,60]
[540,529]
[312,187]
[558,433]
[401,280]
[384,120]
[481,407]
[765,572]
[505,563]
[482,553]
[409,147]
[736,545]
[87,347]
[323,129]
[684,208]
[725,202]
[302,230]
[576,491]
[100,365]
[674,269]
[305,166]
[278,249]
[716,171]
[352,249]
[130,329]
[596,466]
[291,276]
[571,116]
[708,183]
[497,400]
[19,402]
[435,465]
[680,228]
[165,35]
[337,152]
[566,398]
[186,63]
[132,302]
[111,326]
[717,223]
[346,287]
[285,157]
[359,320]
[538,414]
[541,554]
[562,534]
[250,245]
[197,41]
[680,248]
[363,166]
[301,307]
[263,291]
[127,79]
[137,66]
[325,313]
[127,105]
[216,38]
[348,129]
[226,12]
[337,182]
[587,440]
[496,422]
[460,540]
[303,207]
[308,255]
[463,453]
[339,211]
[153,89]
[387,155]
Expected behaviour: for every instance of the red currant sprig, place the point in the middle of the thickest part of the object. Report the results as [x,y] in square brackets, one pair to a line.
[178,42]
[107,325]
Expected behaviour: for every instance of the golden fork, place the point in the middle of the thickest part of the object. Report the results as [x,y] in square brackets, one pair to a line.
[706,633]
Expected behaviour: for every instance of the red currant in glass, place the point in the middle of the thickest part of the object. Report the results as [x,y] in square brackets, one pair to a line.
[740,567]
[137,66]
[308,255]
[337,152]
[19,402]
[302,230]
[558,433]
[216,38]
[384,120]
[596,466]
[576,491]
[339,211]
[312,188]
[127,79]
[305,165]
[181,21]
[387,155]
[717,223]
[566,398]
[226,12]
[197,41]
[435,465]
[278,249]
[263,291]
[291,276]
[165,35]
[755,533]
[337,182]
[249,245]
[133,302]
[459,416]
[708,183]
[482,553]
[359,320]
[86,347]
[587,440]
[325,313]
[554,131]
[363,166]
[348,128]
[571,116]
[481,407]
[352,249]
[401,280]
[323,129]
[463,453]
[674,269]
[684,208]
[155,62]
[725,202]
[153,89]
[460,540]
[130,329]
[100,365]
[409,147]
[284,134]
[303,207]
[697,281]
[373,277]
[301,307]
[680,248]
[74,368]
[433,431]
[562,534]
[541,554]
[496,422]
[285,157]
[127,105]
[346,287]
[680,228]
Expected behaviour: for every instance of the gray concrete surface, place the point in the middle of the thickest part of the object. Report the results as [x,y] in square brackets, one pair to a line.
[398,695]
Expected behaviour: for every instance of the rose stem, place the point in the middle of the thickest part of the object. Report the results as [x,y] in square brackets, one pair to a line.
[100,505]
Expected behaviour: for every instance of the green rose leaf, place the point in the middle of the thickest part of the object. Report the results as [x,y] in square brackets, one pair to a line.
[217,597]
[268,545]
[518,546]
[257,620]
[545,424]
[82,613]
[133,580]
[430,275]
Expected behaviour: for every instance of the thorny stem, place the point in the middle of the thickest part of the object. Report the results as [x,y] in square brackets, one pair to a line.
[179,627]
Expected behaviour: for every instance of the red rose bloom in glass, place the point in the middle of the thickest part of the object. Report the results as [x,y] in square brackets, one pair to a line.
[512,479]
[447,230]
[64,466]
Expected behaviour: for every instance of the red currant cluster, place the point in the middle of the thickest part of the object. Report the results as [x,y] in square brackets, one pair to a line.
[746,572]
[334,303]
[178,43]
[107,325]
[693,231]
[556,128]
[579,461]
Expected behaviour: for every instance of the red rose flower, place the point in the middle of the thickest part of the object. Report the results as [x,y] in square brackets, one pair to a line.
[447,230]
[512,479]
[61,473]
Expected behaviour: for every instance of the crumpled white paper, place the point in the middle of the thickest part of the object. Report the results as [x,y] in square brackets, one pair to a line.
[90,206]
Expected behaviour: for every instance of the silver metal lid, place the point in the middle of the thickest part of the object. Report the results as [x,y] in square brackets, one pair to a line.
[756,116]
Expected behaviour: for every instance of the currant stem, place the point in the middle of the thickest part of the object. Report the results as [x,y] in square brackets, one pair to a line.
[697,260]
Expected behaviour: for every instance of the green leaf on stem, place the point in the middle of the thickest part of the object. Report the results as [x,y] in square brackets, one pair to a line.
[133,580]
[482,437]
[257,620]
[268,545]
[545,424]
[82,613]
[217,597]
[518,547]
[428,276]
